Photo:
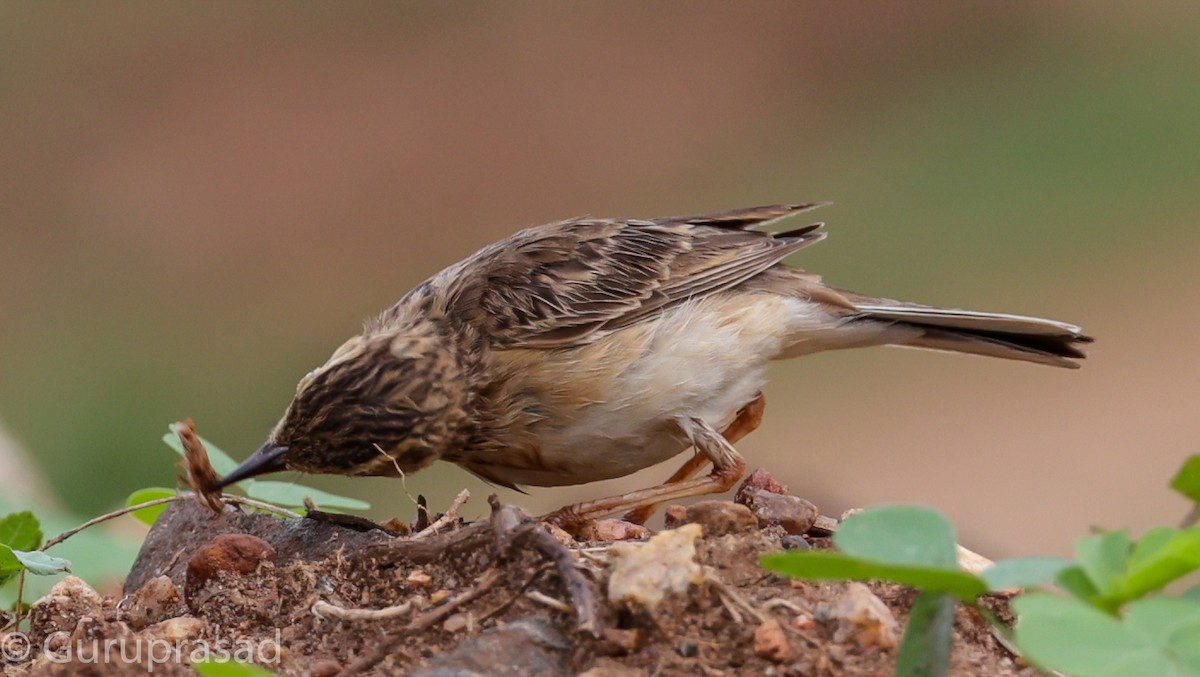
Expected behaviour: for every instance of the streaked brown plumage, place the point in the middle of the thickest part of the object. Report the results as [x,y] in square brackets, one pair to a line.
[591,348]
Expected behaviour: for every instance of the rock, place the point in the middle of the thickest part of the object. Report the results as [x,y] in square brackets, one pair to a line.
[418,578]
[232,578]
[529,646]
[455,623]
[62,608]
[717,517]
[793,513]
[175,630]
[324,667]
[233,553]
[645,573]
[759,480]
[613,530]
[864,619]
[613,671]
[771,643]
[155,601]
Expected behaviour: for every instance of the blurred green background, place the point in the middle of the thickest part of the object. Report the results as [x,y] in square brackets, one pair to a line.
[200,201]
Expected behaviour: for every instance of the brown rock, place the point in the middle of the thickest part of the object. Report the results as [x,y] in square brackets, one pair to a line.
[613,530]
[325,667]
[232,577]
[155,601]
[717,517]
[793,513]
[233,553]
[771,643]
[864,619]
[759,480]
[62,608]
[175,630]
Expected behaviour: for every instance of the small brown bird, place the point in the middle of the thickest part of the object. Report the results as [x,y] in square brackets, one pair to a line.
[592,348]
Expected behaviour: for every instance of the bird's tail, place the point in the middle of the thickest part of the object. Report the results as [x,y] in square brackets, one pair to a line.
[1013,337]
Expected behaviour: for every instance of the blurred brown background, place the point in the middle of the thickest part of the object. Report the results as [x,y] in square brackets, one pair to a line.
[198,202]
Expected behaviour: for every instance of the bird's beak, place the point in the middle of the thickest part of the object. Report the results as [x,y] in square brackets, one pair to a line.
[268,458]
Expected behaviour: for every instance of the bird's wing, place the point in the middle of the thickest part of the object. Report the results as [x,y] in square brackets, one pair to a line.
[570,282]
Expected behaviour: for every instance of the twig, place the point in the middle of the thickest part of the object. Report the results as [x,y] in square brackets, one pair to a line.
[449,516]
[419,624]
[323,609]
[546,600]
[514,528]
[240,500]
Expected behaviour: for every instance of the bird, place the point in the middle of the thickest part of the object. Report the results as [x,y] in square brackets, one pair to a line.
[591,348]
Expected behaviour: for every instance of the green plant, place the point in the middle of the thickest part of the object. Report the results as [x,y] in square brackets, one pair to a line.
[1103,614]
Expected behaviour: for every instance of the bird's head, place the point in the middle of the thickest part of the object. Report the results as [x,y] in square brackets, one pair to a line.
[383,404]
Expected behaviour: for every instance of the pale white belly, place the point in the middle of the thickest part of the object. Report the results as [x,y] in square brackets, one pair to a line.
[614,409]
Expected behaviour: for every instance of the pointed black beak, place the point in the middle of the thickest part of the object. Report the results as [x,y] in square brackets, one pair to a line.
[268,458]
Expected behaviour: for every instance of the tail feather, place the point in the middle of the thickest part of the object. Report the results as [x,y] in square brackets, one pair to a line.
[1013,337]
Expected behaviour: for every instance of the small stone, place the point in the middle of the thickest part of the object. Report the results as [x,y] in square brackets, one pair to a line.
[155,601]
[864,619]
[688,649]
[613,671]
[675,516]
[771,643]
[419,579]
[177,629]
[559,534]
[234,553]
[613,530]
[325,667]
[62,608]
[759,480]
[455,623]
[439,596]
[792,542]
[720,517]
[804,622]
[645,573]
[793,513]
[619,642]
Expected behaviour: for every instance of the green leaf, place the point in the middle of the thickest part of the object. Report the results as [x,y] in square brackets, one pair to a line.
[38,562]
[1024,572]
[20,531]
[1192,594]
[1158,637]
[1163,555]
[925,651]
[1187,480]
[840,566]
[1074,580]
[221,461]
[901,534]
[1104,558]
[148,515]
[292,495]
[215,668]
[9,564]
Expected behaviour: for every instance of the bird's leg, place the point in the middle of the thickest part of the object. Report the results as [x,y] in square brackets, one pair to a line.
[747,421]
[728,468]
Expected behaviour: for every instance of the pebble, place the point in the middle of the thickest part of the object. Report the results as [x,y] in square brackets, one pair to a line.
[235,553]
[864,619]
[419,578]
[645,573]
[771,643]
[613,530]
[155,601]
[793,513]
[762,480]
[325,667]
[177,629]
[61,609]
[716,517]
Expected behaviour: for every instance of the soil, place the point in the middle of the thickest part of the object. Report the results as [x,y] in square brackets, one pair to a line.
[482,599]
